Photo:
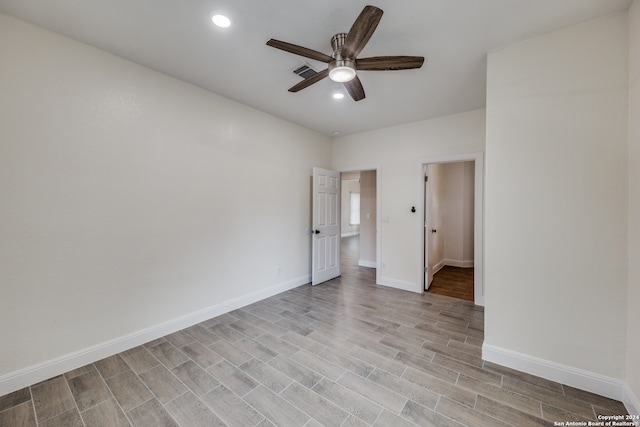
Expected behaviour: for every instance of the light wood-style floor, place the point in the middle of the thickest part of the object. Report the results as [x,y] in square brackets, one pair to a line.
[343,353]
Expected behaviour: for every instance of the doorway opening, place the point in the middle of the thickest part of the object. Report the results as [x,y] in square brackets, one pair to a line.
[451,226]
[358,249]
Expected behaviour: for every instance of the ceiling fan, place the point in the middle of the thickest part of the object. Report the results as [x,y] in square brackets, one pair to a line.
[344,61]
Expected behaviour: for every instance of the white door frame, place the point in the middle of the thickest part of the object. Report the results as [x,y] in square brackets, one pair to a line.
[478,221]
[377,169]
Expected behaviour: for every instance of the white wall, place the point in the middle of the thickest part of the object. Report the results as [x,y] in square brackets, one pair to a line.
[397,150]
[457,216]
[348,186]
[556,205]
[633,299]
[130,199]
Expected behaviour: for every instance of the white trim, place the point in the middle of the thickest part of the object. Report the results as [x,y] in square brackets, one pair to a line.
[25,377]
[458,263]
[631,401]
[366,263]
[478,220]
[564,374]
[349,234]
[398,284]
[438,266]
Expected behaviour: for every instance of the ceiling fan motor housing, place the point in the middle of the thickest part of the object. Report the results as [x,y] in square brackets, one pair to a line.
[337,42]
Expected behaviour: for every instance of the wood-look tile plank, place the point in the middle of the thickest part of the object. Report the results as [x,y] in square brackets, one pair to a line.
[234,411]
[383,396]
[233,378]
[480,374]
[151,414]
[275,408]
[111,366]
[296,371]
[14,399]
[88,390]
[105,414]
[390,419]
[190,411]
[202,355]
[179,339]
[558,400]
[18,415]
[426,366]
[255,349]
[405,388]
[507,397]
[378,361]
[508,414]
[323,411]
[168,354]
[70,418]
[551,413]
[227,333]
[267,375]
[426,417]
[195,378]
[304,342]
[465,415]
[162,383]
[52,397]
[459,394]
[230,353]
[129,390]
[139,359]
[349,400]
[200,334]
[318,364]
[345,361]
[79,371]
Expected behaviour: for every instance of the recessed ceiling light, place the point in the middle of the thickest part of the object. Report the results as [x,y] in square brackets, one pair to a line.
[221,21]
[338,95]
[336,133]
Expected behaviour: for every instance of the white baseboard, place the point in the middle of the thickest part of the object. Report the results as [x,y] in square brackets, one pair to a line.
[33,374]
[438,266]
[631,401]
[352,233]
[398,284]
[574,377]
[367,263]
[458,263]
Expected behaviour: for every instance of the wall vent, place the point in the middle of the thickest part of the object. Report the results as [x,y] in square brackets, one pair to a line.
[305,71]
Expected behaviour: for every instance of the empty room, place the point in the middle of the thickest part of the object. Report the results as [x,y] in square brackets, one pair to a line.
[170,213]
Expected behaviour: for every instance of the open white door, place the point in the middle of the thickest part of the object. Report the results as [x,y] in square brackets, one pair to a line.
[428,253]
[325,230]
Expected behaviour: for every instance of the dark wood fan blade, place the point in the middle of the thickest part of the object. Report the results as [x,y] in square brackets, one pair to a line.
[383,63]
[355,89]
[309,81]
[361,31]
[299,50]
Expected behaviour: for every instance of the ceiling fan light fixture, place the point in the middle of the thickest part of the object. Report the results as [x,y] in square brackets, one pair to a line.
[342,70]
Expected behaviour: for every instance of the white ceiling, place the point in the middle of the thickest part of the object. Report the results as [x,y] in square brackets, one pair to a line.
[176,37]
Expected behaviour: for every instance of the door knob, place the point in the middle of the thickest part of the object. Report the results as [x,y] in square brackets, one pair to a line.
[316,231]
[433,230]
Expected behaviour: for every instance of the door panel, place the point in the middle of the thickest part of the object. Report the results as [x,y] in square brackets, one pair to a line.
[326,225]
